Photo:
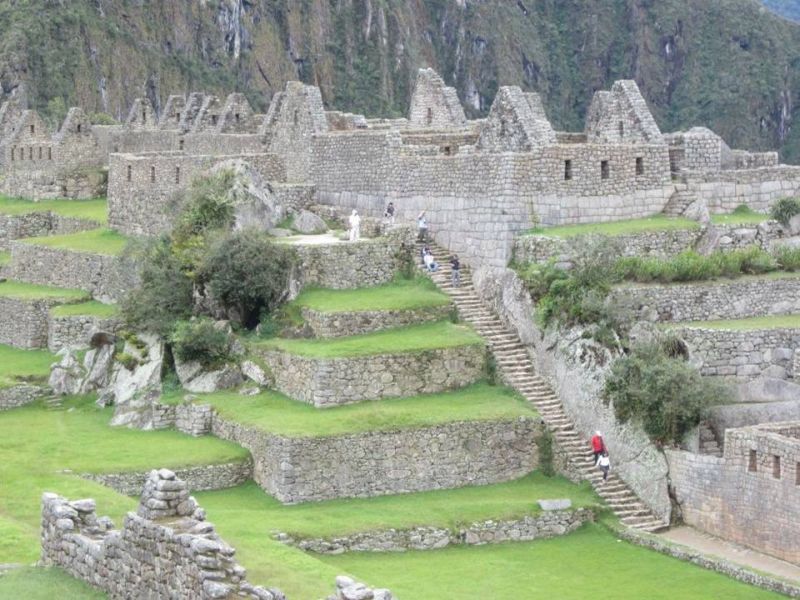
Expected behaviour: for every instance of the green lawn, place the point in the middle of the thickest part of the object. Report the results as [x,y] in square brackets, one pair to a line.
[276,413]
[753,323]
[96,241]
[710,283]
[416,338]
[743,215]
[92,308]
[91,210]
[589,563]
[45,584]
[16,364]
[28,291]
[5,257]
[614,228]
[42,448]
[400,295]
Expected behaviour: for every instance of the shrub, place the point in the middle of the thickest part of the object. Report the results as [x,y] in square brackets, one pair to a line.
[164,294]
[755,261]
[663,393]
[544,443]
[248,275]
[205,206]
[101,118]
[784,209]
[788,258]
[201,340]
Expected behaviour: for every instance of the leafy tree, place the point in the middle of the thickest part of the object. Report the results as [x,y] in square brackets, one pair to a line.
[201,340]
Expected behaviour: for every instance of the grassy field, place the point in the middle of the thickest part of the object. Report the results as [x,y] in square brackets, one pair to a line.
[400,295]
[91,210]
[41,450]
[96,241]
[276,413]
[5,258]
[713,282]
[92,308]
[28,291]
[753,323]
[16,363]
[45,584]
[739,218]
[590,563]
[416,338]
[615,228]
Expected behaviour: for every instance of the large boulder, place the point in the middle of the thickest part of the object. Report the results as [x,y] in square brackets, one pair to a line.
[255,204]
[198,380]
[135,386]
[67,375]
[309,223]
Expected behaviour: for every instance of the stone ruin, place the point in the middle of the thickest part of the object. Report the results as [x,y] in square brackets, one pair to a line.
[166,549]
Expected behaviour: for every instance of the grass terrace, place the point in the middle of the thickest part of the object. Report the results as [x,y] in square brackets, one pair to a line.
[743,215]
[91,210]
[749,324]
[616,228]
[571,567]
[272,412]
[416,338]
[18,365]
[92,308]
[28,291]
[96,241]
[5,258]
[399,295]
[45,584]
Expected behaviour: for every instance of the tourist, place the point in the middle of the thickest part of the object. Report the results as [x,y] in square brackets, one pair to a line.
[422,226]
[605,465]
[455,270]
[430,262]
[355,226]
[598,445]
[425,250]
[389,214]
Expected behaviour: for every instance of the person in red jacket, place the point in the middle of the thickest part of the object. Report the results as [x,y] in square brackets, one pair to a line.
[598,445]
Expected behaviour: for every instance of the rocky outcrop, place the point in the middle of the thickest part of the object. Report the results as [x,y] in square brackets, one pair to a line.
[199,380]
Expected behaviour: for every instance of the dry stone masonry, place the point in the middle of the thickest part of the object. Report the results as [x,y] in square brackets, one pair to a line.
[339,324]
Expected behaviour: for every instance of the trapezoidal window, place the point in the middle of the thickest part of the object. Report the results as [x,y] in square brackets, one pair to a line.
[447,150]
[152,174]
[49,154]
[79,127]
[639,165]
[144,116]
[605,171]
[776,466]
[213,119]
[621,129]
[130,173]
[797,474]
[13,152]
[40,153]
[296,116]
[238,117]
[33,129]
[177,174]
[30,153]
[752,464]
[177,117]
[567,170]
[429,116]
[180,144]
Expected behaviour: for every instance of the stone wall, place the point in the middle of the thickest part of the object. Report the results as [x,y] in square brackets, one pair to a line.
[164,550]
[101,275]
[743,354]
[748,496]
[23,322]
[339,324]
[326,382]
[36,224]
[387,462]
[547,525]
[704,301]
[723,191]
[15,396]
[75,331]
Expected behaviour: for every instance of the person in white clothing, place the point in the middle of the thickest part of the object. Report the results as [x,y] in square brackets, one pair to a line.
[355,226]
[605,465]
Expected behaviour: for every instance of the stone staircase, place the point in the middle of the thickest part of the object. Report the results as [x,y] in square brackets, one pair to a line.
[680,200]
[709,444]
[517,370]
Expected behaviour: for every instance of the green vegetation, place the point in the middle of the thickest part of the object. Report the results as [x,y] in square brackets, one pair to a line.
[43,449]
[655,386]
[203,341]
[45,584]
[566,568]
[416,338]
[96,241]
[399,295]
[18,365]
[784,209]
[27,291]
[657,222]
[742,215]
[92,308]
[5,258]
[91,210]
[753,323]
[273,412]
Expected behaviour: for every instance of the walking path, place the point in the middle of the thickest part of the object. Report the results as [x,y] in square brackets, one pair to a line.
[517,370]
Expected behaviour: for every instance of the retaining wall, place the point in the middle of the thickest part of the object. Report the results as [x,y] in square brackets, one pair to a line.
[37,224]
[23,322]
[339,324]
[75,331]
[19,395]
[759,188]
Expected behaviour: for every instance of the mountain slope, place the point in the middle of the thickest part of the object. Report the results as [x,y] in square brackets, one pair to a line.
[786,8]
[730,64]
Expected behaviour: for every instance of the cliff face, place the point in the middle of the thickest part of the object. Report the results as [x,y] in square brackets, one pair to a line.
[728,64]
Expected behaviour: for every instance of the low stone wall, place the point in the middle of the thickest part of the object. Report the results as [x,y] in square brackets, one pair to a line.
[724,190]
[37,224]
[339,324]
[704,301]
[103,276]
[333,381]
[387,462]
[20,395]
[198,479]
[23,322]
[744,354]
[75,331]
[353,265]
[164,550]
[525,529]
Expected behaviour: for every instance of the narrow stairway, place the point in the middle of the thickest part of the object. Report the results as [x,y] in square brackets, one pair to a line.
[517,370]
[709,443]
[680,200]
